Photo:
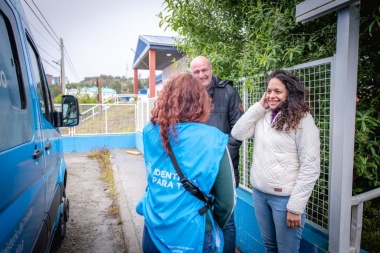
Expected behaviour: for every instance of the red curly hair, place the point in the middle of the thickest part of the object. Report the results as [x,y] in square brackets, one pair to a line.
[183,99]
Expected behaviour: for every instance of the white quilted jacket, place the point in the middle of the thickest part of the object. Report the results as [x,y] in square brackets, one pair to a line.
[284,164]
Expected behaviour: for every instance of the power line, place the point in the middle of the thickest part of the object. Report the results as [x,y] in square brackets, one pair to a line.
[48,41]
[71,71]
[54,38]
[41,22]
[71,66]
[45,19]
[45,51]
[54,67]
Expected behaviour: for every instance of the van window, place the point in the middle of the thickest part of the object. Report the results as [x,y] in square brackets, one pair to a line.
[43,90]
[16,124]
[9,85]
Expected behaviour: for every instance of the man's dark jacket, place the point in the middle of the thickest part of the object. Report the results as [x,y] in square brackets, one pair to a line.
[227,110]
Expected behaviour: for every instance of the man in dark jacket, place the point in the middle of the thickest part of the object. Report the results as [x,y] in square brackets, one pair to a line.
[227,110]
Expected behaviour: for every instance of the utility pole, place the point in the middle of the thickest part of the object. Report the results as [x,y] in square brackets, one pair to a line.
[63,84]
[100,96]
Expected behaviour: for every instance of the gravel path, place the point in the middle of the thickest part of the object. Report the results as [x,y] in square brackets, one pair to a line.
[90,227]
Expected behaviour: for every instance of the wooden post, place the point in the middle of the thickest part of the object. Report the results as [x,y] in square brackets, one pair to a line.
[135,82]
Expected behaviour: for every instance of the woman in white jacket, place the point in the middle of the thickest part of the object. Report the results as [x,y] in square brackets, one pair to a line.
[286,160]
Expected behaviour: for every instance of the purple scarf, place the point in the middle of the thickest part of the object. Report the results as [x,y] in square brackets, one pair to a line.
[274,113]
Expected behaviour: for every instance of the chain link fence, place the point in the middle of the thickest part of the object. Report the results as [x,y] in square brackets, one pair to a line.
[316,76]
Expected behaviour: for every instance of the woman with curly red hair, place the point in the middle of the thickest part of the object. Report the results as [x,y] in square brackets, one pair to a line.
[172,220]
[286,160]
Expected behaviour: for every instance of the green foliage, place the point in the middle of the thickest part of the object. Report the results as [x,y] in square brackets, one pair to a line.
[371,222]
[367,146]
[367,129]
[55,90]
[86,99]
[243,38]
[121,85]
[58,99]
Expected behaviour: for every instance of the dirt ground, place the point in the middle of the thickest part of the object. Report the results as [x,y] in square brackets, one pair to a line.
[90,228]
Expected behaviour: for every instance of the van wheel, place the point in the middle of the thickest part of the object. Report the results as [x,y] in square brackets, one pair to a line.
[62,226]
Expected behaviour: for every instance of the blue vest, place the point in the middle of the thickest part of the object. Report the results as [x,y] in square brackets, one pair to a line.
[170,212]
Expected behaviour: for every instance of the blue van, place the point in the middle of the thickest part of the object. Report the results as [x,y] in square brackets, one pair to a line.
[34,208]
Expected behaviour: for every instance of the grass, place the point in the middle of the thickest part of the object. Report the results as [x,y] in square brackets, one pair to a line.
[103,157]
[105,119]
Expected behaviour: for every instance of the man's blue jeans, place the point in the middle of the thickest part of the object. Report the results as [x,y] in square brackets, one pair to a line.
[229,234]
[271,215]
[149,247]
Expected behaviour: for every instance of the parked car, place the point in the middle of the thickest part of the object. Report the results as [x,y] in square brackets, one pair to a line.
[33,205]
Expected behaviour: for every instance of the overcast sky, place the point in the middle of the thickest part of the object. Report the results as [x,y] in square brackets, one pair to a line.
[98,35]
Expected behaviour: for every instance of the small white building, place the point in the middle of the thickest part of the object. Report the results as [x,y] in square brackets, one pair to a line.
[107,93]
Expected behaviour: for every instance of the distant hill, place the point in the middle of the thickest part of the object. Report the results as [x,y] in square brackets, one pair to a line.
[120,84]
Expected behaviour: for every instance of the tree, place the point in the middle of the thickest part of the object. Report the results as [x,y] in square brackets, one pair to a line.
[55,90]
[128,87]
[244,37]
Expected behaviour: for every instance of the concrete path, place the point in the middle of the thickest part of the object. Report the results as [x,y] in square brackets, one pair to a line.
[130,179]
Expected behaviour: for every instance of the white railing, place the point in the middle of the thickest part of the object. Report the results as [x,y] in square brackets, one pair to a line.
[117,118]
[144,109]
[357,217]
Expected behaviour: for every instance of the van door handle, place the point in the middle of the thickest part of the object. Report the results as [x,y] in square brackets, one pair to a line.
[48,146]
[37,153]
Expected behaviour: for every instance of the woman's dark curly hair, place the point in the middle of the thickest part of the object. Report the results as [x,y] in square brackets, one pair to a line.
[294,107]
[183,99]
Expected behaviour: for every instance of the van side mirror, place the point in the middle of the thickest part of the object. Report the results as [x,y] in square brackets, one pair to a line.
[70,111]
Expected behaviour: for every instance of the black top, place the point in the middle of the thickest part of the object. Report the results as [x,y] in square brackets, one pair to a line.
[227,110]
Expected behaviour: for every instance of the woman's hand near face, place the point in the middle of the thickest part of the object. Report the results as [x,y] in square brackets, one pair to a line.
[263,101]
